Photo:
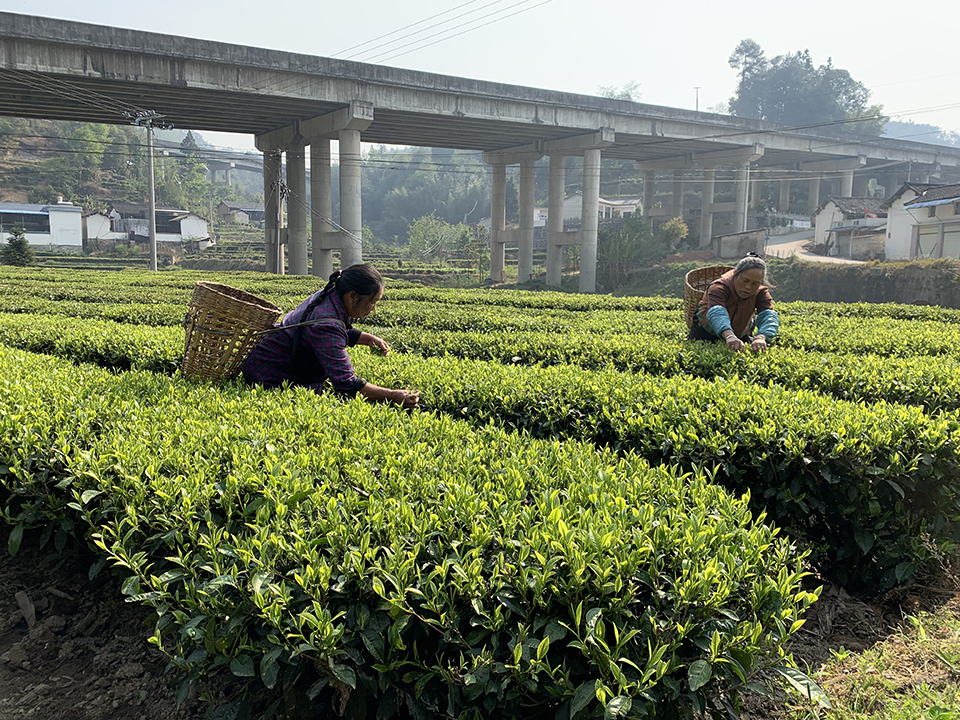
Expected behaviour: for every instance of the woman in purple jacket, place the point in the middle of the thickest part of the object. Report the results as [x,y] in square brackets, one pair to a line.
[310,344]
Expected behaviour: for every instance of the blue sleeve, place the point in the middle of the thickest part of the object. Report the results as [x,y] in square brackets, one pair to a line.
[718,319]
[767,323]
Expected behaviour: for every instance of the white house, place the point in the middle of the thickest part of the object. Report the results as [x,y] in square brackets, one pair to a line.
[848,226]
[56,227]
[573,207]
[129,222]
[923,222]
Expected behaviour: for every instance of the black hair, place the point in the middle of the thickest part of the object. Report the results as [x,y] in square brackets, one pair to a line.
[362,279]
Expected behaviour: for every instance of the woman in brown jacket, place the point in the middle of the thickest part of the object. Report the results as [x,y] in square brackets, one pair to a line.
[738,309]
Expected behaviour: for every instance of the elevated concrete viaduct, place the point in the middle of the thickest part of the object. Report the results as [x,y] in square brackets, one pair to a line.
[74,71]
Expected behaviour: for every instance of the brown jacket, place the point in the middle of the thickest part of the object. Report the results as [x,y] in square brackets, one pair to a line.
[741,312]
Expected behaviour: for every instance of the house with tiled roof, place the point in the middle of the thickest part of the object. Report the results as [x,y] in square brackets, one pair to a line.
[848,227]
[923,221]
[240,212]
[126,223]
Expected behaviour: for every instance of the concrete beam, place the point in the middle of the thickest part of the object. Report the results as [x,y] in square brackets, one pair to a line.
[577,144]
[836,165]
[514,155]
[713,158]
[563,238]
[716,207]
[356,116]
[130,64]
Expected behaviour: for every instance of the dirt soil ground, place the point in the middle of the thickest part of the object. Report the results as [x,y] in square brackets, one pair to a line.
[70,648]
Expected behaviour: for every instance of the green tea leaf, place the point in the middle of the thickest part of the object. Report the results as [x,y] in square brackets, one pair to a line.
[617,708]
[807,687]
[16,537]
[698,674]
[584,695]
[345,674]
[242,666]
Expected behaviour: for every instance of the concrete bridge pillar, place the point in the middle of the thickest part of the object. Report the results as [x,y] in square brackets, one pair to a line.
[498,212]
[590,220]
[555,219]
[706,211]
[891,182]
[649,190]
[861,185]
[756,193]
[345,124]
[525,255]
[784,204]
[677,199]
[846,184]
[814,196]
[351,252]
[743,182]
[297,210]
[321,200]
[271,209]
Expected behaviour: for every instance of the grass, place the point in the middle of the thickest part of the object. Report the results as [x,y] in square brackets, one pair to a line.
[912,674]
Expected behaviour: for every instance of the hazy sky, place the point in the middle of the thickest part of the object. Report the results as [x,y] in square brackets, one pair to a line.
[667,48]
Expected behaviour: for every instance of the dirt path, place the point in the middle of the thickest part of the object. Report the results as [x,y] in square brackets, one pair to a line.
[794,244]
[85,656]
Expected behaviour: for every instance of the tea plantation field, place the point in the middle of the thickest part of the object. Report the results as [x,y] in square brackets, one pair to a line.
[588,517]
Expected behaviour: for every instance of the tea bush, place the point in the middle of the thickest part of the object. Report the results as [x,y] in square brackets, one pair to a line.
[354,555]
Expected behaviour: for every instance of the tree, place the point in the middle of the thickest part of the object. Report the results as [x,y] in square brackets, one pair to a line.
[430,236]
[791,90]
[18,251]
[623,249]
[673,232]
[747,58]
[630,91]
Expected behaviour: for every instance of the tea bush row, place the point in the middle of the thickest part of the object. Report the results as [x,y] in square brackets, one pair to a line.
[140,286]
[932,382]
[929,382]
[348,556]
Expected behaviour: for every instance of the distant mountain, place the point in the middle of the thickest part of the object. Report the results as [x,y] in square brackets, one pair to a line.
[921,132]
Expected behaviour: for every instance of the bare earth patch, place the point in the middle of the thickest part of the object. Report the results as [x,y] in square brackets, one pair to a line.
[83,654]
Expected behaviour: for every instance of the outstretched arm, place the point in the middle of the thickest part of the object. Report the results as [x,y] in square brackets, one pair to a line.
[403,398]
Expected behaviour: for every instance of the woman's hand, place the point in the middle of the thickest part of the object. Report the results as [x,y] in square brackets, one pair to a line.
[380,345]
[376,344]
[759,344]
[733,342]
[407,399]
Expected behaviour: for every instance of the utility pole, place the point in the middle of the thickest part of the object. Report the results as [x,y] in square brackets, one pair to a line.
[150,119]
[697,88]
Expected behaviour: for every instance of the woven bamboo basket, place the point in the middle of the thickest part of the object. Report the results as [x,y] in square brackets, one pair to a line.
[695,284]
[222,326]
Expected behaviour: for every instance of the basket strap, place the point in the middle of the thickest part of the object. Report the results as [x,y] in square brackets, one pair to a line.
[318,321]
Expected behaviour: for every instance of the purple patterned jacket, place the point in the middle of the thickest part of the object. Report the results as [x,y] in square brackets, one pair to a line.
[321,354]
